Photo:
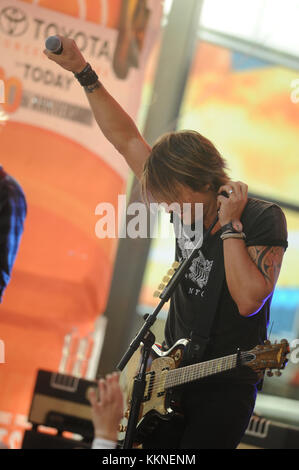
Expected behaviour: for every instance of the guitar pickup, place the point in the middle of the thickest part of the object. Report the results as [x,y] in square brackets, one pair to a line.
[150,378]
[162,393]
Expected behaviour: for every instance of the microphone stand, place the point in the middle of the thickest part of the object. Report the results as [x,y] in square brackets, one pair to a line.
[146,337]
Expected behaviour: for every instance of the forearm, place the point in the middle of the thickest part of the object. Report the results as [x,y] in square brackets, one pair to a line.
[114,122]
[119,128]
[245,282]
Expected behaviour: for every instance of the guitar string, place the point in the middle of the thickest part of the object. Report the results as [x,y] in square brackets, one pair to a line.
[188,375]
[194,371]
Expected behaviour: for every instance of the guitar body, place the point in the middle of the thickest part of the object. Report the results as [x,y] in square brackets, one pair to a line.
[166,372]
[158,403]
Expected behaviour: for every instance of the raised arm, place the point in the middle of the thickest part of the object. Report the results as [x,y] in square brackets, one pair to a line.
[114,122]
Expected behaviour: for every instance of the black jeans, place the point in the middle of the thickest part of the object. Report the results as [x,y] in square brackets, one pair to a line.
[215,417]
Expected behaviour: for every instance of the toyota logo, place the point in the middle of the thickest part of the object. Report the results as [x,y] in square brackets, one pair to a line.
[13,21]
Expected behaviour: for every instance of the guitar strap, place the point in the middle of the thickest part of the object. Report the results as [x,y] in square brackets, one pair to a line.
[204,318]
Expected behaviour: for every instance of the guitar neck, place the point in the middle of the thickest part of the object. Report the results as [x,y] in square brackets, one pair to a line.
[193,372]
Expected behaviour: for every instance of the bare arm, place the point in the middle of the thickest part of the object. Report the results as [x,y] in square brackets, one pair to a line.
[119,129]
[114,122]
[251,273]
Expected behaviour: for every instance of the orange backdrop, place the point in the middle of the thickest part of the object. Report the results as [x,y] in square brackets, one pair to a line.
[62,273]
[96,11]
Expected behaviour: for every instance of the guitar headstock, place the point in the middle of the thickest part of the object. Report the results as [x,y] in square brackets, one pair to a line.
[268,356]
[166,279]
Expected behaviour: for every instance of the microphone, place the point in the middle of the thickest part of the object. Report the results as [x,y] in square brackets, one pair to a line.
[53,44]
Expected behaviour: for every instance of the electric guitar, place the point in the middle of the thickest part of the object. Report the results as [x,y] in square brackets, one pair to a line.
[164,374]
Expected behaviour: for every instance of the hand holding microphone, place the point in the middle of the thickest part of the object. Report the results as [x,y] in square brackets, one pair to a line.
[53,44]
[64,52]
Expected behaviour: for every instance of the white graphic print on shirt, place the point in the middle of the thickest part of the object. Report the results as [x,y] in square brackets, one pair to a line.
[199,270]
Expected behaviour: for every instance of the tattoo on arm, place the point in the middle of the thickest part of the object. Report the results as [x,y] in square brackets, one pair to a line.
[268,260]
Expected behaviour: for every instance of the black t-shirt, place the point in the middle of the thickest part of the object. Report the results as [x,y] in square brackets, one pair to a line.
[204,290]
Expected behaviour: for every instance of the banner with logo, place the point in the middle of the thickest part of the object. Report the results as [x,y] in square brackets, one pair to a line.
[51,144]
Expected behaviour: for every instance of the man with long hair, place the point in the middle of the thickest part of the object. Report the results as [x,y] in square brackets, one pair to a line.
[233,277]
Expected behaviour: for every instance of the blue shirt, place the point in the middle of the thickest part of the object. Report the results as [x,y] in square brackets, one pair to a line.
[13,210]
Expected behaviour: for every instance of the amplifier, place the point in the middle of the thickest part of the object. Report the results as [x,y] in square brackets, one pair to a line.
[61,401]
[266,434]
[40,440]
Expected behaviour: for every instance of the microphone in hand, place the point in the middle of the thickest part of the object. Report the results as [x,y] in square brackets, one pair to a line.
[53,44]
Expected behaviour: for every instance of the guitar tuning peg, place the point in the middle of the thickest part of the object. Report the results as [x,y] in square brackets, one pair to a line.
[161,286]
[166,279]
[170,272]
[157,293]
[277,373]
[175,264]
[270,373]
